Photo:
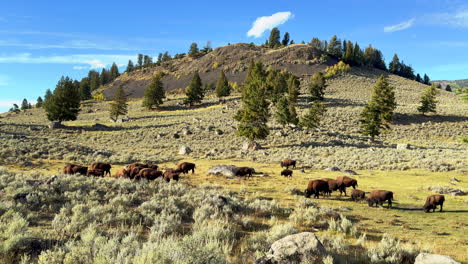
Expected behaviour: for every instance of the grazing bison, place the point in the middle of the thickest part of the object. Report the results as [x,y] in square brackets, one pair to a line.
[96,172]
[287,163]
[134,172]
[149,174]
[378,197]
[315,187]
[122,173]
[344,182]
[171,174]
[245,171]
[332,185]
[287,173]
[185,167]
[106,167]
[74,169]
[357,195]
[433,201]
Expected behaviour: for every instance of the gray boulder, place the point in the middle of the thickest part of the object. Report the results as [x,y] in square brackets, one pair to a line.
[332,169]
[224,170]
[184,150]
[295,249]
[251,146]
[427,258]
[403,146]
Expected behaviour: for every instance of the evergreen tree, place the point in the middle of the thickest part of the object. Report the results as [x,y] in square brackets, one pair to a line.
[334,47]
[166,57]
[426,80]
[349,54]
[371,120]
[160,60]
[373,58]
[316,43]
[147,61]
[358,55]
[285,40]
[448,88]
[85,89]
[114,72]
[384,97]
[193,51]
[47,95]
[222,87]
[14,109]
[119,106]
[292,42]
[39,102]
[428,100]
[24,104]
[254,112]
[194,91]
[293,88]
[64,103]
[104,77]
[94,80]
[140,60]
[130,66]
[154,93]
[395,66]
[418,78]
[313,117]
[274,40]
[317,86]
[285,112]
[277,84]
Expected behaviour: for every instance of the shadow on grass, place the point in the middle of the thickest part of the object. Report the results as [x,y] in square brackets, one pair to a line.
[407,119]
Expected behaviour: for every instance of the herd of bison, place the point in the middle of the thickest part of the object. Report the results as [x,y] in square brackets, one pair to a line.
[324,186]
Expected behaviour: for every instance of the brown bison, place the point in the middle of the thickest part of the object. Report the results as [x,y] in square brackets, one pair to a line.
[106,167]
[343,182]
[332,185]
[287,173]
[149,174]
[142,166]
[357,195]
[122,173]
[96,172]
[74,169]
[378,197]
[433,201]
[185,167]
[315,187]
[171,174]
[287,163]
[245,171]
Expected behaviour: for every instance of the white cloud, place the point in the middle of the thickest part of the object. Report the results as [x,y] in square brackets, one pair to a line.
[455,19]
[80,67]
[402,26]
[265,23]
[92,60]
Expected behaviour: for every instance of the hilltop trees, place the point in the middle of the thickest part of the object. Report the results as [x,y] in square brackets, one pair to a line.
[130,66]
[119,105]
[428,100]
[140,60]
[254,113]
[154,93]
[374,58]
[274,40]
[64,103]
[426,80]
[24,104]
[39,102]
[285,40]
[222,87]
[317,86]
[334,47]
[194,90]
[85,89]
[193,51]
[394,66]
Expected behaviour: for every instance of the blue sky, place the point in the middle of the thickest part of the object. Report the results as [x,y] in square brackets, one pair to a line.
[43,40]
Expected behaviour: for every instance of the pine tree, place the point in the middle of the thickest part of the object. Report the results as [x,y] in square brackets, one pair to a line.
[274,40]
[395,66]
[418,78]
[64,103]
[348,55]
[130,66]
[104,77]
[14,109]
[426,80]
[374,58]
[47,95]
[384,97]
[428,100]
[254,112]
[313,117]
[140,60]
[277,84]
[24,104]
[285,40]
[316,43]
[39,102]
[222,87]
[154,93]
[293,88]
[85,89]
[147,61]
[194,91]
[285,112]
[119,104]
[371,120]
[334,47]
[358,55]
[193,51]
[114,72]
[317,86]
[94,80]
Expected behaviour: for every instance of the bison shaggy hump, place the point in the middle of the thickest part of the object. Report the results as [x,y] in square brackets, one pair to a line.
[315,187]
[345,182]
[185,167]
[432,201]
[74,169]
[378,197]
[287,163]
[149,174]
[332,185]
[106,167]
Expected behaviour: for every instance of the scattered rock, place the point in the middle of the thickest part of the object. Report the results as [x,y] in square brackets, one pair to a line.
[184,150]
[219,132]
[251,146]
[446,190]
[294,249]
[210,128]
[344,209]
[427,258]
[403,146]
[332,169]
[280,134]
[455,179]
[224,170]
[302,171]
[186,131]
[159,135]
[350,172]
[175,135]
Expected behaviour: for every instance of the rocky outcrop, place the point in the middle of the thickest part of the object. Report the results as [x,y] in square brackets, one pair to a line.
[426,258]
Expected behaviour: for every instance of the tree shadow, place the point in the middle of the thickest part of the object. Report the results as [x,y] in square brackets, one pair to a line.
[407,119]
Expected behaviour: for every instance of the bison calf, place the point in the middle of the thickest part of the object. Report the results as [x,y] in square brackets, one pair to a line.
[357,195]
[287,163]
[106,167]
[378,197]
[171,174]
[96,172]
[287,173]
[433,201]
[315,187]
